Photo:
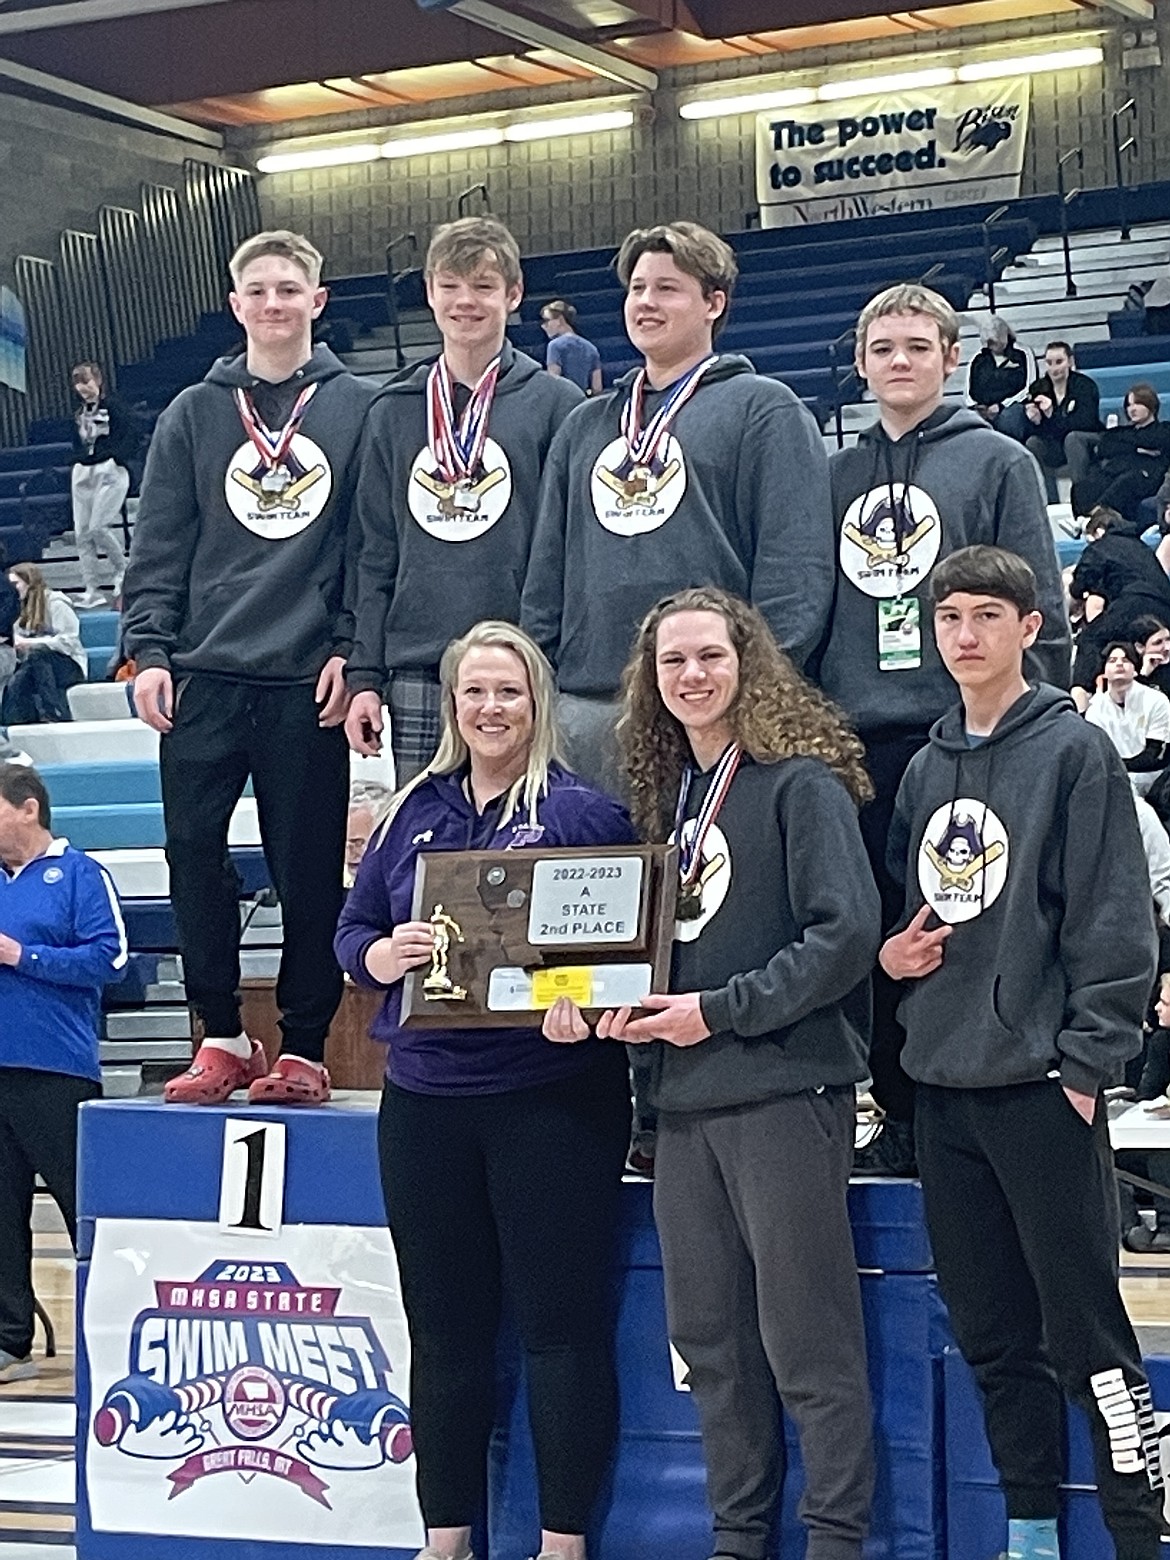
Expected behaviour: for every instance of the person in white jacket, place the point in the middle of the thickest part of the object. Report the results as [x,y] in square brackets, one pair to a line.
[50,655]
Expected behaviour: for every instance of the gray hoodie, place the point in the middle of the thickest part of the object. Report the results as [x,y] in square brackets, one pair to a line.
[741,500]
[1028,846]
[427,573]
[968,484]
[225,577]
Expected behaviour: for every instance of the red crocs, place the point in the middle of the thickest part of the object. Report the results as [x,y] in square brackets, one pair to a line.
[291,1082]
[214,1075]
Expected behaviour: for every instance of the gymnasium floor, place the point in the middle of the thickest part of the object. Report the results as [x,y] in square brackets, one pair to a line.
[37,1417]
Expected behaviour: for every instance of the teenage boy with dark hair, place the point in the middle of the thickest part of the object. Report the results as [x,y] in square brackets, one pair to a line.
[924,480]
[448,489]
[236,616]
[693,470]
[1028,950]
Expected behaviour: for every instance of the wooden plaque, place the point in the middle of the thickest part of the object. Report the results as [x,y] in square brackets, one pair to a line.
[517,928]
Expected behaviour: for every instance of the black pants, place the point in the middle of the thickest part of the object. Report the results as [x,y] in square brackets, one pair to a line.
[1022,1212]
[36,692]
[887,754]
[225,731]
[1121,490]
[510,1195]
[38,1135]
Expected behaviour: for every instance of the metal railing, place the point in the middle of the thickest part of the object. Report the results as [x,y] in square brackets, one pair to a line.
[1120,148]
[473,189]
[392,290]
[846,340]
[1067,196]
[992,257]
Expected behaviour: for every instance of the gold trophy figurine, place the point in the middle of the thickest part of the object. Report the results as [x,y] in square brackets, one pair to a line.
[437,984]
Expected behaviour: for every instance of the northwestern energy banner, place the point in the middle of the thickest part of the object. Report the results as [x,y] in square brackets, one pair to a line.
[904,151]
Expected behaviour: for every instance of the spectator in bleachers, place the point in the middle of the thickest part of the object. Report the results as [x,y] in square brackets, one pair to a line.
[1060,420]
[1000,372]
[1130,462]
[693,470]
[50,656]
[237,616]
[1121,580]
[568,351]
[9,612]
[1024,998]
[61,940]
[1151,640]
[923,480]
[447,492]
[105,440]
[1134,716]
[367,802]
[473,1221]
[753,1056]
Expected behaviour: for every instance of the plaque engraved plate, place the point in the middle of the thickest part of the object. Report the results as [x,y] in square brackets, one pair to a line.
[587,902]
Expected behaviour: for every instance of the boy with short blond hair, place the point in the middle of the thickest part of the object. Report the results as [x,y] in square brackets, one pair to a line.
[235,613]
[447,494]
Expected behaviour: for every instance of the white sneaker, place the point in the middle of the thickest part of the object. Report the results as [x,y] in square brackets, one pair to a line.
[13,1368]
[89,599]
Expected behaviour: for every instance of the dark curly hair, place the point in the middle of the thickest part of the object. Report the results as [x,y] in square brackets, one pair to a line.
[776,713]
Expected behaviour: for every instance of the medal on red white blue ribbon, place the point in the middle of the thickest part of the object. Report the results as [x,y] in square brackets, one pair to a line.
[690,851]
[644,470]
[279,479]
[457,444]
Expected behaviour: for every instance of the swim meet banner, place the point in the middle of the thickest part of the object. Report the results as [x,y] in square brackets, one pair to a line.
[892,152]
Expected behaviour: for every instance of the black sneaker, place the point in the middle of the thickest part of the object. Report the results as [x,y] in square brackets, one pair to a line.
[889,1152]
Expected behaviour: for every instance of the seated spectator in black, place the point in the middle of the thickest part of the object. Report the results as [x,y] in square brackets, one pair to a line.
[1060,420]
[1136,719]
[61,940]
[1000,372]
[1153,1165]
[1120,583]
[9,612]
[1130,461]
[50,655]
[1151,640]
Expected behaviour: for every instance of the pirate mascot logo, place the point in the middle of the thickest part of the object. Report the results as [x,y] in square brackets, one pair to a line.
[962,860]
[461,481]
[277,483]
[639,479]
[704,857]
[890,540]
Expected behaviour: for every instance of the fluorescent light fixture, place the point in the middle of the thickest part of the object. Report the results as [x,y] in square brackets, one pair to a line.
[868,86]
[1030,64]
[322,157]
[443,141]
[751,103]
[580,124]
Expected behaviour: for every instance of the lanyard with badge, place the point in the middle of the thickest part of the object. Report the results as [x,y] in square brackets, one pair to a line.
[689,906]
[274,448]
[645,445]
[899,617]
[457,444]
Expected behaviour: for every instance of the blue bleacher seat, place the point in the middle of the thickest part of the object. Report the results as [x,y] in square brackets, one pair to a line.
[99,629]
[106,784]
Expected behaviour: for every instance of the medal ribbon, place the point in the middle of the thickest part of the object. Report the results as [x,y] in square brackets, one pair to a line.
[457,446]
[690,854]
[644,444]
[273,447]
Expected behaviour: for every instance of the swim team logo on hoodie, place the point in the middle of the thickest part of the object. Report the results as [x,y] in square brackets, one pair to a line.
[890,539]
[714,878]
[630,498]
[279,501]
[460,511]
[962,860]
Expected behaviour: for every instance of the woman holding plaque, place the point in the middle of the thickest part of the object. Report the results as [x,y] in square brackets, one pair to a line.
[754,1058]
[472,1216]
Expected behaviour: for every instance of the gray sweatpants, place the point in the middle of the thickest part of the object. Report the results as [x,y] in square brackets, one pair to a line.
[764,1306]
[587,736]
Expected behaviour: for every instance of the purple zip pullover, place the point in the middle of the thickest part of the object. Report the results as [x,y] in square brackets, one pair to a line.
[438,816]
